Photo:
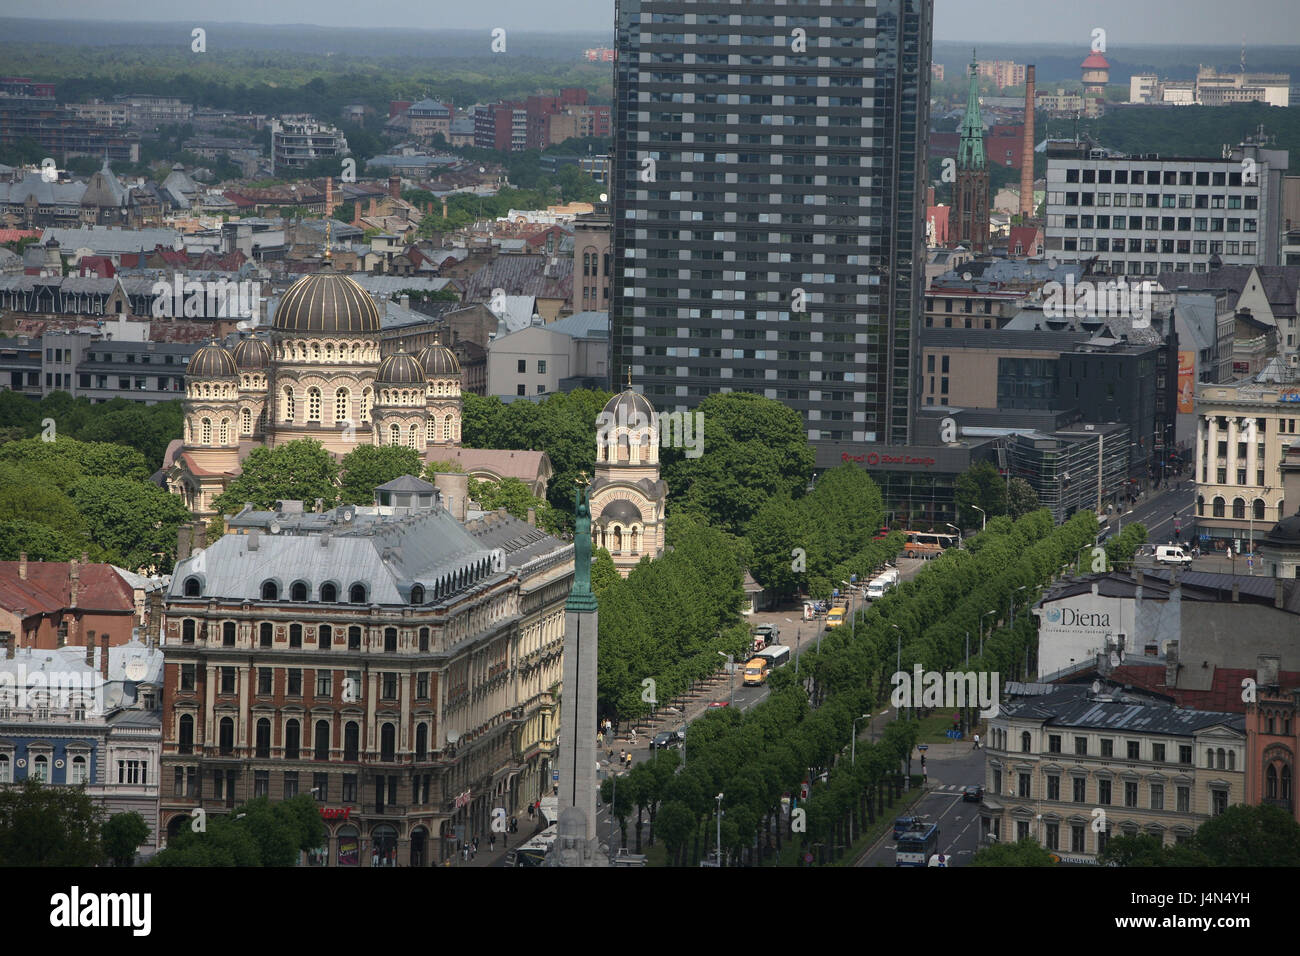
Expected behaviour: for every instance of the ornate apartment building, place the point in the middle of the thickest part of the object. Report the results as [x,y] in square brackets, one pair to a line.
[1072,768]
[397,663]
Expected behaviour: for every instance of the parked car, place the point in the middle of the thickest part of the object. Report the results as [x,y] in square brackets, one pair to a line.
[972,794]
[1172,554]
[665,739]
[720,703]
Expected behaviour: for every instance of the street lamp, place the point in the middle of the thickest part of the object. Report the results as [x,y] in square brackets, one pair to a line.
[982,617]
[958,530]
[731,666]
[984,522]
[1013,603]
[719,845]
[853,744]
[898,665]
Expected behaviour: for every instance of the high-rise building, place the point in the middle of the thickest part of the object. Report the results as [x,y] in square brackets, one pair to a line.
[768,189]
[971,195]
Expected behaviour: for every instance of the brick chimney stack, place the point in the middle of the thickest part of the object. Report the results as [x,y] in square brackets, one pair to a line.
[7,642]
[1027,150]
[90,648]
[200,534]
[395,187]
[74,578]
[103,656]
[184,539]
[22,565]
[155,618]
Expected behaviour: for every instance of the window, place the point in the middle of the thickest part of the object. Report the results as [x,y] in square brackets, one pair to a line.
[226,736]
[1053,836]
[41,768]
[424,638]
[541,366]
[1184,799]
[523,365]
[354,638]
[1107,747]
[263,746]
[187,632]
[351,741]
[1130,793]
[422,686]
[295,632]
[1054,743]
[1134,748]
[187,677]
[389,686]
[264,677]
[342,403]
[1077,838]
[261,783]
[266,634]
[270,591]
[320,786]
[313,404]
[349,788]
[1157,796]
[1103,792]
[390,640]
[1158,753]
[6,769]
[228,634]
[294,682]
[1026,741]
[357,594]
[1054,787]
[1080,790]
[185,738]
[387,743]
[324,684]
[421,741]
[292,740]
[1185,754]
[321,751]
[290,784]
[1022,785]
[1081,746]
[192,587]
[227,680]
[324,636]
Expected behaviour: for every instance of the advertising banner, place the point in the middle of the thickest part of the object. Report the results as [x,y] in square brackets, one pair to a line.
[1186,382]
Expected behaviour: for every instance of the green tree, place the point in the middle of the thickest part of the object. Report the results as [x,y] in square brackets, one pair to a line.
[1026,852]
[1021,498]
[133,522]
[603,572]
[442,467]
[1140,850]
[300,470]
[122,835]
[48,826]
[1250,836]
[675,823]
[40,542]
[366,467]
[981,486]
[513,495]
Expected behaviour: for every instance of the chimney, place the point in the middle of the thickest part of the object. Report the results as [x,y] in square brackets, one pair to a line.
[22,566]
[74,578]
[532,516]
[155,618]
[1027,150]
[90,648]
[200,535]
[252,541]
[184,539]
[1171,665]
[1278,597]
[7,641]
[929,195]
[395,187]
[405,300]
[454,488]
[329,196]
[103,656]
[1266,670]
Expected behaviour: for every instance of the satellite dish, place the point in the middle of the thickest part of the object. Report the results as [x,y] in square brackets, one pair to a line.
[604,197]
[452,737]
[135,668]
[275,527]
[1096,687]
[965,276]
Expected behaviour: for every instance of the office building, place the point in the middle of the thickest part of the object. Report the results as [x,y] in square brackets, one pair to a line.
[768,203]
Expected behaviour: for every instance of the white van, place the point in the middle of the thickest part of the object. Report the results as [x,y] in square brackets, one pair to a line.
[1172,554]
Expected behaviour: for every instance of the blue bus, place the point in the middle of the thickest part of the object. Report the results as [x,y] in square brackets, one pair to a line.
[916,846]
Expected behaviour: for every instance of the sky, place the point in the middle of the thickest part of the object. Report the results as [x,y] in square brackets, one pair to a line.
[981,21]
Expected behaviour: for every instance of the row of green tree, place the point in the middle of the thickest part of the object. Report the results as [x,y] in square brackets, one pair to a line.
[757,757]
[146,428]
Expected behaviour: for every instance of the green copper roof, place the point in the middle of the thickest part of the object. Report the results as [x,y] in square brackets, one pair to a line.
[970,151]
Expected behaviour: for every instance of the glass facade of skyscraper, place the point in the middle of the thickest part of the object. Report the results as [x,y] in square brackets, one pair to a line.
[769,171]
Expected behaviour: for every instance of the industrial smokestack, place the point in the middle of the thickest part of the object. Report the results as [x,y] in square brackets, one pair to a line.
[1027,150]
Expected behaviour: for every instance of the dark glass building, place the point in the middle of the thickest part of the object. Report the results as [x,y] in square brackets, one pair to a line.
[769,168]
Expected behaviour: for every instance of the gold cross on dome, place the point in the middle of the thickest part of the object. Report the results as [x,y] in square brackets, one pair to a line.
[629,378]
[581,481]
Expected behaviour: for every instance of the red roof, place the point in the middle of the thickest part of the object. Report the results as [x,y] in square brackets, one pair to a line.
[1095,61]
[13,235]
[47,588]
[1224,694]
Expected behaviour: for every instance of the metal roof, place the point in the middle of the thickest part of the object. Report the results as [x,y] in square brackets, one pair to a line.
[1078,707]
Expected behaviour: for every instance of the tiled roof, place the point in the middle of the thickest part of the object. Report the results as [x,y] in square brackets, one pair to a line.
[548,277]
[48,588]
[524,465]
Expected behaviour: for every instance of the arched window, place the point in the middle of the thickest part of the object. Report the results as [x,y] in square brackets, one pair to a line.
[394,434]
[342,405]
[228,634]
[354,638]
[1218,506]
[266,635]
[417,594]
[424,638]
[6,769]
[329,593]
[357,594]
[226,736]
[387,743]
[366,397]
[193,587]
[295,635]
[421,741]
[263,747]
[246,421]
[287,404]
[225,431]
[1270,782]
[1258,506]
[80,771]
[41,768]
[413,437]
[1025,742]
[1286,783]
[270,591]
[390,640]
[446,428]
[322,748]
[313,404]
[1238,507]
[207,431]
[351,740]
[298,591]
[292,740]
[185,738]
[1232,760]
[324,637]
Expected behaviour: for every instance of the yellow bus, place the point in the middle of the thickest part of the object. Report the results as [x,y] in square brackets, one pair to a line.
[756,671]
[927,544]
[835,618]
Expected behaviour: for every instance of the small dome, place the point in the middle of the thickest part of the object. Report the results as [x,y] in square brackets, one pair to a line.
[211,361]
[1286,533]
[627,405]
[327,302]
[1095,61]
[400,368]
[439,360]
[252,354]
[620,510]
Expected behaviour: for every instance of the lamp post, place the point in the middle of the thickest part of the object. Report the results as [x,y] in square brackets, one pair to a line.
[898,664]
[984,518]
[719,844]
[1013,603]
[853,743]
[982,617]
[958,530]
[732,668]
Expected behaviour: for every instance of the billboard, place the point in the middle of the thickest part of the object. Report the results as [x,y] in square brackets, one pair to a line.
[1186,382]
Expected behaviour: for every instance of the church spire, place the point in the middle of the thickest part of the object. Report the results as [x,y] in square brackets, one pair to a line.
[970,151]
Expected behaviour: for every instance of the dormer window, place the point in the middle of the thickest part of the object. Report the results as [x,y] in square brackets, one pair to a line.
[193,587]
[357,594]
[417,594]
[270,591]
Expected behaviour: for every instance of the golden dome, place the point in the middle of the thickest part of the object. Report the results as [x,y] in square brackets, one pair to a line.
[327,302]
[211,361]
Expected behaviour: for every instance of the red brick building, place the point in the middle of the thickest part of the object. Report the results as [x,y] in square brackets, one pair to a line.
[50,604]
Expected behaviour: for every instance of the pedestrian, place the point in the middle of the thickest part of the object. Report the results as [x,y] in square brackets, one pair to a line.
[977,742]
[492,841]
[600,738]
[622,755]
[476,844]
